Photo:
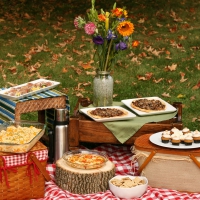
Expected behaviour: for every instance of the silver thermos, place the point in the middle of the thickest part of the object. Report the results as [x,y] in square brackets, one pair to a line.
[61,123]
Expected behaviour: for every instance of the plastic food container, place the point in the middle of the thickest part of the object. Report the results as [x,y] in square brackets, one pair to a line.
[85,159]
[22,130]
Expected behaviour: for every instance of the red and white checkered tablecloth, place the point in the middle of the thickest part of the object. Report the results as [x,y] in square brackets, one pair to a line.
[14,160]
[121,156]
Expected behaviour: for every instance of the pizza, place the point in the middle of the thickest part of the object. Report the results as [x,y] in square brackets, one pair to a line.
[107,112]
[148,105]
[86,160]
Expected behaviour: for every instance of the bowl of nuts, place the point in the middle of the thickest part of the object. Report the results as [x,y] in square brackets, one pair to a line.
[128,186]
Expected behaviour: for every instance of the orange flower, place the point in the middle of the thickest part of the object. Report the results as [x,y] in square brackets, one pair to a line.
[125,28]
[135,43]
[101,17]
[118,12]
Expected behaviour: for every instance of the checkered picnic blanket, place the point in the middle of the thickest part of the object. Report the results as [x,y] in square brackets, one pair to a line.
[121,156]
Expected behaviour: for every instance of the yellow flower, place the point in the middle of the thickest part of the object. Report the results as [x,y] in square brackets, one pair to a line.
[125,28]
[125,13]
[107,21]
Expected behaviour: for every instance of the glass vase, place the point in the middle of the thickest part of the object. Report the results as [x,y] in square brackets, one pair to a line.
[103,89]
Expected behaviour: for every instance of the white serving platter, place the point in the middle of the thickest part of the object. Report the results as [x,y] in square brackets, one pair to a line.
[156,139]
[169,108]
[53,85]
[129,116]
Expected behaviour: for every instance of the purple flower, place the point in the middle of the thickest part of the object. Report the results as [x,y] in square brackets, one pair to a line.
[121,46]
[110,35]
[122,19]
[98,40]
[90,28]
[126,38]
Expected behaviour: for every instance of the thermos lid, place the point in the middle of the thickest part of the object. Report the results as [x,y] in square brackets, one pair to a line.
[61,115]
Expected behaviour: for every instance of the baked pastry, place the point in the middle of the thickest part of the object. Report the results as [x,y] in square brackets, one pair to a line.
[175,140]
[182,138]
[148,105]
[167,132]
[196,136]
[174,130]
[101,113]
[165,138]
[188,140]
[177,133]
[186,130]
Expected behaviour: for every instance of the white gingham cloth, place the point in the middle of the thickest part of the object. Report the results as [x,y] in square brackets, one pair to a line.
[122,157]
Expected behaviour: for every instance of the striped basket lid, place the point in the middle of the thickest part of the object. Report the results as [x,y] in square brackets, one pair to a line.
[7,106]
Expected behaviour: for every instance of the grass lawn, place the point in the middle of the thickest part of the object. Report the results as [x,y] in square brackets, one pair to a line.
[38,40]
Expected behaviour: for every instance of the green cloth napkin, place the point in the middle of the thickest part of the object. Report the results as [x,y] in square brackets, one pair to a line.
[123,130]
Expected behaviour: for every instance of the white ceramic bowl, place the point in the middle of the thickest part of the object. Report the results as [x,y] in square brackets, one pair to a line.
[128,193]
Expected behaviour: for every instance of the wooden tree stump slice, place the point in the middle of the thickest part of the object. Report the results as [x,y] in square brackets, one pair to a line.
[83,181]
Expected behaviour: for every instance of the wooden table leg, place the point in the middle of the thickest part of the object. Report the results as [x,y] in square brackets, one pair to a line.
[74,133]
[41,116]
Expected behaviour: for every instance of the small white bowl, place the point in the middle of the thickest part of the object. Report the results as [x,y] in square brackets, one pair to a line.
[128,193]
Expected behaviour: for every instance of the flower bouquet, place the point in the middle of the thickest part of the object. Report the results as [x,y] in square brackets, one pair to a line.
[111,33]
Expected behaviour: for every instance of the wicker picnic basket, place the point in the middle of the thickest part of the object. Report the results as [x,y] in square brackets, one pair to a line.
[23,175]
[177,169]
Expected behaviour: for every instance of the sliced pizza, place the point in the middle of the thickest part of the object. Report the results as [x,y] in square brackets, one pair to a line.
[148,105]
[100,113]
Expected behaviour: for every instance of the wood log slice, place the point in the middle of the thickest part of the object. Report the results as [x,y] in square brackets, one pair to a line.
[83,181]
